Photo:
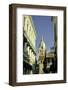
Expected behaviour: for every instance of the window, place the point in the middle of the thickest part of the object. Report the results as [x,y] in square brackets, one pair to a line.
[27,25]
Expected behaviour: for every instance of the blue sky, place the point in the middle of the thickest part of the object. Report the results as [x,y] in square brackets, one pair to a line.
[43,27]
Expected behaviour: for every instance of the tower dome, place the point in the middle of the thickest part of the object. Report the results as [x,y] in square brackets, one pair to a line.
[42,44]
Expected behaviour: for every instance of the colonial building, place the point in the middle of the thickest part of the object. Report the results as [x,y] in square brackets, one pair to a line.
[45,59]
[49,62]
[41,56]
[54,23]
[29,41]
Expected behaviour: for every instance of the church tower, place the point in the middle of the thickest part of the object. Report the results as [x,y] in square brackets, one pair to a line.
[41,56]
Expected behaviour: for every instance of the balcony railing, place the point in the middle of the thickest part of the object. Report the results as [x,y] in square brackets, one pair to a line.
[32,46]
[26,55]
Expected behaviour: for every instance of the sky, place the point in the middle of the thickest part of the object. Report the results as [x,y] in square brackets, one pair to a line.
[43,26]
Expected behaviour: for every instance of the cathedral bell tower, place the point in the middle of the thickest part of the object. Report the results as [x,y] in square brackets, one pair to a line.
[41,56]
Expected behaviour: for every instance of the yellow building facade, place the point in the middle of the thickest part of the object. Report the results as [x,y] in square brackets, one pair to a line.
[29,41]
